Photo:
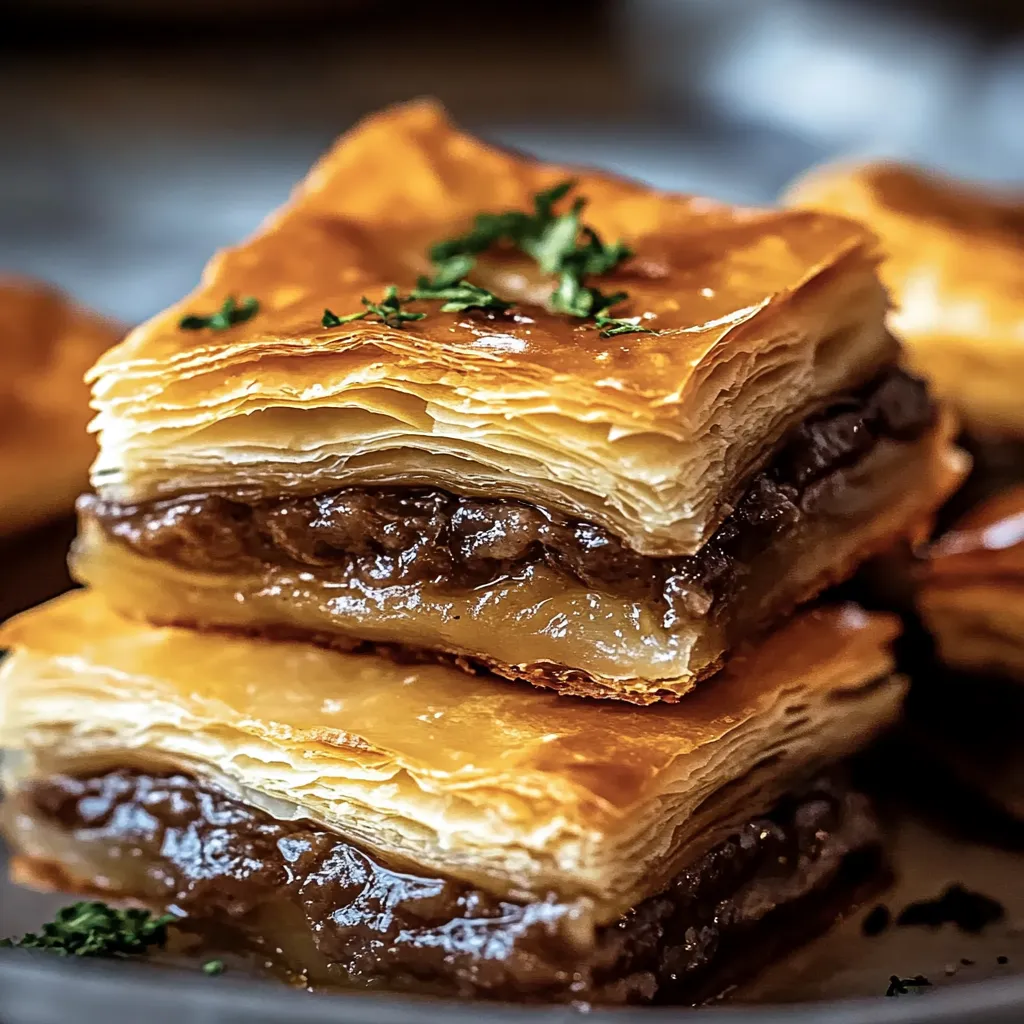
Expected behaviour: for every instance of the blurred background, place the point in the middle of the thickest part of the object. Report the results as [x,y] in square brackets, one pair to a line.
[136,136]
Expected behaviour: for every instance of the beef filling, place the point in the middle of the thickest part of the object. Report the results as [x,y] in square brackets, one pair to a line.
[411,535]
[777,878]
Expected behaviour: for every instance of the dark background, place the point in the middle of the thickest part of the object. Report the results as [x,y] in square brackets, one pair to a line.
[136,136]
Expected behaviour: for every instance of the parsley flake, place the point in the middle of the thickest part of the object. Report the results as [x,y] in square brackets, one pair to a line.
[229,314]
[388,310]
[451,287]
[559,243]
[904,986]
[91,928]
[557,239]
[515,226]
[611,326]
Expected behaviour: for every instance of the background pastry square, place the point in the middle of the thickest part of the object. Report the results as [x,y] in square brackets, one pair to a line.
[955,267]
[46,345]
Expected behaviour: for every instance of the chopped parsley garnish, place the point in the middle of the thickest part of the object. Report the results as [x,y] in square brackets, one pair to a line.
[458,297]
[560,244]
[513,226]
[388,310]
[214,967]
[450,286]
[572,297]
[91,928]
[449,272]
[330,319]
[610,326]
[556,240]
[229,314]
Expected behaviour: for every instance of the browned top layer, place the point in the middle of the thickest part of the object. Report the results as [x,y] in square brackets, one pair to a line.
[957,206]
[405,178]
[46,345]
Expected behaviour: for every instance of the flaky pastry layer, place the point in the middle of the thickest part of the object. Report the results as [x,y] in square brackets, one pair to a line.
[46,345]
[971,594]
[759,317]
[512,789]
[537,625]
[955,267]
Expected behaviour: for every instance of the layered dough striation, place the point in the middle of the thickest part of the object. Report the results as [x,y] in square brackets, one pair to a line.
[607,516]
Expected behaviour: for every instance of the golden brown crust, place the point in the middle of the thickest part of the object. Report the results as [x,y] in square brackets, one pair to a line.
[955,267]
[761,315]
[560,678]
[46,345]
[512,788]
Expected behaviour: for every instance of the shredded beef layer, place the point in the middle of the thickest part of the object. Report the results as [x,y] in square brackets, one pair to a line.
[411,535]
[358,922]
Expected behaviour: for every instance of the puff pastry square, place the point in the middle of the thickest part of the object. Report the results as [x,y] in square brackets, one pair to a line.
[46,345]
[603,515]
[417,827]
[955,266]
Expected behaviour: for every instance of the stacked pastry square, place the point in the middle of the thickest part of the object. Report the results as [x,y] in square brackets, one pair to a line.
[402,455]
[955,264]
